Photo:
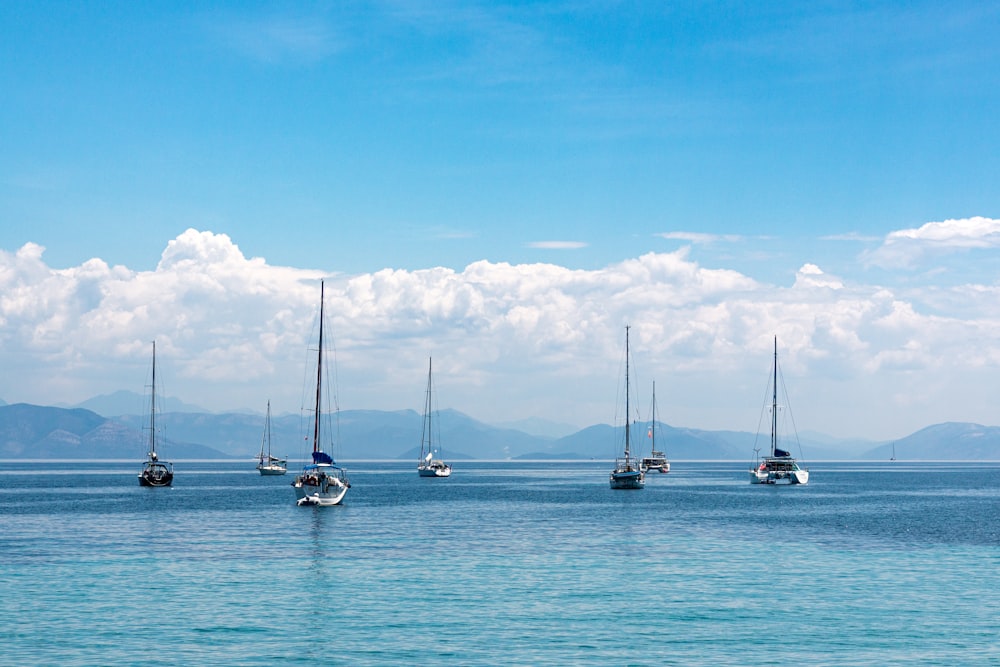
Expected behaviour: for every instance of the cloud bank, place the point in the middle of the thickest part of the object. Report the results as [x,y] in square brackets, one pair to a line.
[906,247]
[509,340]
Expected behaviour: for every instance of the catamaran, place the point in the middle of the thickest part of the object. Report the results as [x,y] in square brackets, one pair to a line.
[155,472]
[427,464]
[322,482]
[267,464]
[627,473]
[657,460]
[779,467]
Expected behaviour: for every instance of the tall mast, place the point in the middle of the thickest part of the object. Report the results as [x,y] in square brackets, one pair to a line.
[628,415]
[774,401]
[319,374]
[428,408]
[152,410]
[267,420]
[652,428]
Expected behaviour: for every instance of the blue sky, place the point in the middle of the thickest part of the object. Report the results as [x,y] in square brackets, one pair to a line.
[736,154]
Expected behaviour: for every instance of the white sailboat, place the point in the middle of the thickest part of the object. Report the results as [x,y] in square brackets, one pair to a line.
[322,482]
[267,464]
[154,471]
[657,460]
[779,467]
[427,464]
[627,473]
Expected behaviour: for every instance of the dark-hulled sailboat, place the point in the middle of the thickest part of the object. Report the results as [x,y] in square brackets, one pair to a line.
[154,471]
[627,473]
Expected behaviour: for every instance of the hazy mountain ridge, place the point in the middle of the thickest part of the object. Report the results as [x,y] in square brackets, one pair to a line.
[29,431]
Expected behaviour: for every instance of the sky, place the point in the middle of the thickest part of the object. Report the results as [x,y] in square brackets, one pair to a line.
[505,187]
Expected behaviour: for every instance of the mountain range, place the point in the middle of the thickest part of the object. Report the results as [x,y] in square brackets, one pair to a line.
[40,432]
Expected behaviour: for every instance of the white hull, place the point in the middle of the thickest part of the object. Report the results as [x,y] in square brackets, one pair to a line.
[433,468]
[434,472]
[655,467]
[272,470]
[796,476]
[312,495]
[322,485]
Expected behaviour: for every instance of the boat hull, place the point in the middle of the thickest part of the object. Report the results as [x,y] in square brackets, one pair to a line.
[779,472]
[272,470]
[321,485]
[655,467]
[628,481]
[156,474]
[434,471]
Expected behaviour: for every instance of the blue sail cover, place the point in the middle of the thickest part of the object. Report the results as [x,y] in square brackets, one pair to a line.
[777,452]
[322,457]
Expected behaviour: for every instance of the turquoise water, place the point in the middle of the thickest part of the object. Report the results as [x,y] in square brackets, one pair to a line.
[502,564]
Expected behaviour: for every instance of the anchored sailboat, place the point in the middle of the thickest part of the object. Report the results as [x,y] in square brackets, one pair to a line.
[427,465]
[627,474]
[657,460]
[779,467]
[322,482]
[155,472]
[267,464]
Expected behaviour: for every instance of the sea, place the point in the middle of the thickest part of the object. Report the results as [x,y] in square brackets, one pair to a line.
[504,563]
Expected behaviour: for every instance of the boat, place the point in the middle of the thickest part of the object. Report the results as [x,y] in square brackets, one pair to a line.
[267,464]
[627,473]
[779,467]
[154,471]
[893,457]
[427,464]
[322,482]
[657,460]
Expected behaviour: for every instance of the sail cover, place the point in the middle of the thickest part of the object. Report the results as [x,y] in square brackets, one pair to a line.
[322,457]
[777,452]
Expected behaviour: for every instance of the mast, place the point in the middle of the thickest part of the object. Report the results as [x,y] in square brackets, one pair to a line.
[774,401]
[267,432]
[319,374]
[628,415]
[652,427]
[152,410]
[427,413]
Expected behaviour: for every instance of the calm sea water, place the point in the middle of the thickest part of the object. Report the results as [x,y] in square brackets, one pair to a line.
[502,564]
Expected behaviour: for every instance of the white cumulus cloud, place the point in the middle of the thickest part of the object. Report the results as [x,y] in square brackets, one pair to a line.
[906,247]
[509,340]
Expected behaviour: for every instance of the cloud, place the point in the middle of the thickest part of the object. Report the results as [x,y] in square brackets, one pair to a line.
[512,339]
[700,238]
[557,245]
[907,247]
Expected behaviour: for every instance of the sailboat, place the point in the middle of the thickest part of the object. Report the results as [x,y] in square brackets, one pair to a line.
[322,482]
[627,473]
[427,465]
[893,458]
[779,467]
[656,460]
[154,471]
[267,464]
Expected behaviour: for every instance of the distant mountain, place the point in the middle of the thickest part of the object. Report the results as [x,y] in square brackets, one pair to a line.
[35,432]
[540,427]
[29,431]
[951,441]
[130,403]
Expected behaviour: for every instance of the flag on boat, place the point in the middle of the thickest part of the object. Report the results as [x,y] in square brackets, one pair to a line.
[649,433]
